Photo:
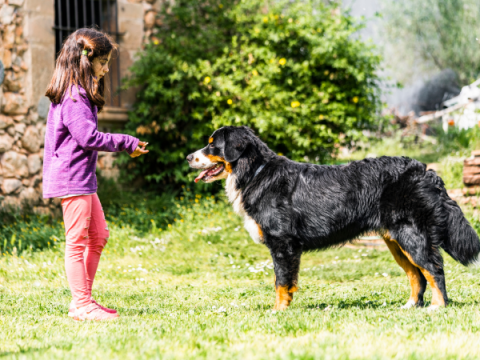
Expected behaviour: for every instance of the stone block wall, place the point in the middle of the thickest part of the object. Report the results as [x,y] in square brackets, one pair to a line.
[21,128]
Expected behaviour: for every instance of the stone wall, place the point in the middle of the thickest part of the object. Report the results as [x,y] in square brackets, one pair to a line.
[21,129]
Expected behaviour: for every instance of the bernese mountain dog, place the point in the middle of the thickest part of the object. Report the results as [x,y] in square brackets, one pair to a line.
[293,207]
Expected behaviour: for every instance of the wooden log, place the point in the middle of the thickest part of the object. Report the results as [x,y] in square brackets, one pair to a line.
[471,170]
[470,161]
[476,153]
[471,180]
[471,191]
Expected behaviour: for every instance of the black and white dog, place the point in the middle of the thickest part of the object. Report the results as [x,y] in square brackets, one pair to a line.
[294,207]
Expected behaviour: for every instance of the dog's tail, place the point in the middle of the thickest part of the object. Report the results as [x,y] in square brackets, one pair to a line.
[461,241]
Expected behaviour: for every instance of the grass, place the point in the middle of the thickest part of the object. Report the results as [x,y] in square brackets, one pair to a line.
[201,289]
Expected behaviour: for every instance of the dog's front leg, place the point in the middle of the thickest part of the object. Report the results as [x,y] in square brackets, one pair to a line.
[286,262]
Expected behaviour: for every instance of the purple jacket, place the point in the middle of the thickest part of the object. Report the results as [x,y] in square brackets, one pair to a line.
[71,145]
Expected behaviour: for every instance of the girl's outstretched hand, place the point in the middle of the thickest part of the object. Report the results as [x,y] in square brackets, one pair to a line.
[140,150]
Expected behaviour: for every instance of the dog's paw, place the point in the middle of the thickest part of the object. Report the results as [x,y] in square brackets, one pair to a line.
[410,304]
[433,308]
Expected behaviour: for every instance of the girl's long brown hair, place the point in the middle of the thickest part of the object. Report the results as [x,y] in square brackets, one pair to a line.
[74,68]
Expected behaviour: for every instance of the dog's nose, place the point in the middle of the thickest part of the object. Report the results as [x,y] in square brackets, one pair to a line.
[190,157]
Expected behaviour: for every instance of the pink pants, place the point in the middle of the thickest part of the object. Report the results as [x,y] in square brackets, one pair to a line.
[86,233]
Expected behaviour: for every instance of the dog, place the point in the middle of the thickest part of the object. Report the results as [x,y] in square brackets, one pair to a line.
[294,207]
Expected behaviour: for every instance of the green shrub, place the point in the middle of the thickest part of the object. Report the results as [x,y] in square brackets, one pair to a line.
[293,71]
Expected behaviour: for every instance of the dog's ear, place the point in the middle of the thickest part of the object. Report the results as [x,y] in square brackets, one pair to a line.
[235,143]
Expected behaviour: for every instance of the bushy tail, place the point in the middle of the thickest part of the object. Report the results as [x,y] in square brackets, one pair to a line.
[462,242]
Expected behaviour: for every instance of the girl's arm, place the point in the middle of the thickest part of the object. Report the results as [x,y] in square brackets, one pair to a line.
[80,120]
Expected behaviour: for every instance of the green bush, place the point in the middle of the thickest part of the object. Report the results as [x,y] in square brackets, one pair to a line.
[293,71]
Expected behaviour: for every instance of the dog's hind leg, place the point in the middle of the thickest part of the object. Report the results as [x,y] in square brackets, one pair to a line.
[286,262]
[427,258]
[418,283]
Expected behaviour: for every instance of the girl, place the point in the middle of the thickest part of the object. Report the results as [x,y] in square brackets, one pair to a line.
[71,145]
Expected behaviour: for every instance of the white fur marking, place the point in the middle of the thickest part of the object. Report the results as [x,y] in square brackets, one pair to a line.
[203,161]
[410,303]
[235,197]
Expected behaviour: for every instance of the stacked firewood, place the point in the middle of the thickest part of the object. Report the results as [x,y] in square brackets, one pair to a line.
[471,173]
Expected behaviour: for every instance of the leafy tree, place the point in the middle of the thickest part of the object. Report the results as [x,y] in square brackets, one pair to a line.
[291,71]
[442,33]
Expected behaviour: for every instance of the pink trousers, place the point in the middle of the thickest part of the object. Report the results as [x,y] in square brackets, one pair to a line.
[86,233]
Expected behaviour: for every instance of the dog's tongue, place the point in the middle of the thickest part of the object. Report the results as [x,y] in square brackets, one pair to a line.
[201,175]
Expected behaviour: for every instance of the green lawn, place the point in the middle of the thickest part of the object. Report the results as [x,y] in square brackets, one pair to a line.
[201,289]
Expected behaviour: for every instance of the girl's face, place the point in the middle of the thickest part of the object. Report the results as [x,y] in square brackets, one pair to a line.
[100,65]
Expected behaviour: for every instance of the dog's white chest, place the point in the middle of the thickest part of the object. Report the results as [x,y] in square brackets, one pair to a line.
[235,197]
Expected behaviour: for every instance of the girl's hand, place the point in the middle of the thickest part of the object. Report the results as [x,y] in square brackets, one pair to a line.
[140,150]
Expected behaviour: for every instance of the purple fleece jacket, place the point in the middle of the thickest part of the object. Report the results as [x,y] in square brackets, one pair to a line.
[72,142]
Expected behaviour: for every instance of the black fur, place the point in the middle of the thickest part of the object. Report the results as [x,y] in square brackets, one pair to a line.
[302,207]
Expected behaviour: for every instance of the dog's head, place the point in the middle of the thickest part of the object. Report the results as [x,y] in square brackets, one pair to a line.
[225,148]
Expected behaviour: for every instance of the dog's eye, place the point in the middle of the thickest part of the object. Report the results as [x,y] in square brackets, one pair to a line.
[212,146]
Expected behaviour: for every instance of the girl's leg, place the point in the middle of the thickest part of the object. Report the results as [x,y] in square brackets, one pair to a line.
[97,239]
[77,216]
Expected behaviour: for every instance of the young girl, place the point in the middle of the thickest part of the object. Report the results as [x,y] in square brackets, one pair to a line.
[70,158]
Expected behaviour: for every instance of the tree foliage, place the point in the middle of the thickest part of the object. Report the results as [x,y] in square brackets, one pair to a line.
[443,33]
[290,70]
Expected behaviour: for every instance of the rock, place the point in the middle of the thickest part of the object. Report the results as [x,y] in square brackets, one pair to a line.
[13,81]
[11,202]
[16,3]
[34,164]
[9,36]
[149,19]
[43,107]
[7,59]
[11,131]
[32,117]
[11,185]
[6,143]
[20,128]
[29,196]
[31,139]
[5,121]
[14,164]
[36,180]
[41,128]
[14,104]
[6,14]
[42,210]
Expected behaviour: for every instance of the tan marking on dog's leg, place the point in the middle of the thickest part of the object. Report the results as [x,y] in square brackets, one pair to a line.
[412,271]
[437,296]
[284,296]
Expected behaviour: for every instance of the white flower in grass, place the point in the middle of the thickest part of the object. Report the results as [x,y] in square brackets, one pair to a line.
[385,274]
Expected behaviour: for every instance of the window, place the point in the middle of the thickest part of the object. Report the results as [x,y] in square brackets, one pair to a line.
[71,15]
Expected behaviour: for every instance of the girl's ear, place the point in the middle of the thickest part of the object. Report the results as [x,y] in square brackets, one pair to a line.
[235,144]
